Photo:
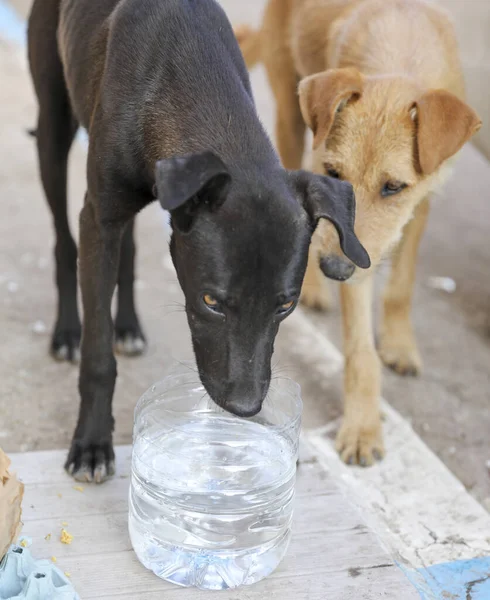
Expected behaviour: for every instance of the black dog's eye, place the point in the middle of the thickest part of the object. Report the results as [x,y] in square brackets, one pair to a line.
[331,172]
[286,307]
[210,302]
[391,188]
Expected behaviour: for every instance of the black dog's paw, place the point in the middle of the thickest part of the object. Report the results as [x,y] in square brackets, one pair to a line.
[65,344]
[129,341]
[90,462]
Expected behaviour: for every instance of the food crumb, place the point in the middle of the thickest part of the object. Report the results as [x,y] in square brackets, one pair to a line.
[79,488]
[53,559]
[67,574]
[66,538]
[24,543]
[64,524]
[59,495]
[48,537]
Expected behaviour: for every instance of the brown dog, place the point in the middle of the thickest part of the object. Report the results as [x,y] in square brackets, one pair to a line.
[382,91]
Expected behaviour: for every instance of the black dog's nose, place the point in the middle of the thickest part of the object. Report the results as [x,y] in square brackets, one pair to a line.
[336,267]
[244,399]
[243,406]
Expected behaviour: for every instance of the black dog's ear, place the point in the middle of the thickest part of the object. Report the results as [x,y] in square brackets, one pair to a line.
[328,198]
[185,182]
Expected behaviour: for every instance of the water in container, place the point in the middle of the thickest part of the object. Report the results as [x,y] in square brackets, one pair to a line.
[212,494]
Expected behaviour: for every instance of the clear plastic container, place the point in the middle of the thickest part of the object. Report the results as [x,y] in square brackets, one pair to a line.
[211,498]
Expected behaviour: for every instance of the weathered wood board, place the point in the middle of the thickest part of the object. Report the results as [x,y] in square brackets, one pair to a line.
[333,555]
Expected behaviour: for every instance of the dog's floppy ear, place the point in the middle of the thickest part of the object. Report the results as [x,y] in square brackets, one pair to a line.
[444,124]
[327,198]
[322,95]
[184,183]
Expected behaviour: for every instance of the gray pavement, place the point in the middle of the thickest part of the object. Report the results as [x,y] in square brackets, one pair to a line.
[449,405]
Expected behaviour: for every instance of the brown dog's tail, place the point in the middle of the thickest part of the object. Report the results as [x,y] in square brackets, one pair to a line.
[250,44]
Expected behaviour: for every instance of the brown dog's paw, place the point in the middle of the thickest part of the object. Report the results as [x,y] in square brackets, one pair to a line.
[404,358]
[316,297]
[359,444]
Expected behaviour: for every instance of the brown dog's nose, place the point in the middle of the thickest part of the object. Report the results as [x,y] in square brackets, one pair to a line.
[336,267]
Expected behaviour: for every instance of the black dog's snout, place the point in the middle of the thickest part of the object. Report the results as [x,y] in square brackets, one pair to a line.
[336,267]
[243,399]
[242,408]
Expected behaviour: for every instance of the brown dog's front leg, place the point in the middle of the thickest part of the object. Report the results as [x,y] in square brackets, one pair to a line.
[315,293]
[398,348]
[91,457]
[360,439]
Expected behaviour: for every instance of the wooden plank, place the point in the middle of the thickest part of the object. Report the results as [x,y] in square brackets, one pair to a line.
[109,535]
[43,501]
[50,480]
[332,553]
[47,501]
[318,555]
[423,513]
[108,532]
[48,467]
[370,584]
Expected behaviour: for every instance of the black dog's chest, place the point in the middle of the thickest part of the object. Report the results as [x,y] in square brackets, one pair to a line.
[82,38]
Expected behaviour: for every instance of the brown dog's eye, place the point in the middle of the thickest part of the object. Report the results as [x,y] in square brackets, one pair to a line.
[210,301]
[391,188]
[333,173]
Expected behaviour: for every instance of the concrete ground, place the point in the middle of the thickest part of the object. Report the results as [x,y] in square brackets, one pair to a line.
[448,406]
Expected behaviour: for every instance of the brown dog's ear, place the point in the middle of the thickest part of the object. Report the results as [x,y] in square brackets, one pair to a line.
[333,199]
[444,124]
[322,95]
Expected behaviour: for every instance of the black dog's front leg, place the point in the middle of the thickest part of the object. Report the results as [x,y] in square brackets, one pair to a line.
[129,337]
[91,457]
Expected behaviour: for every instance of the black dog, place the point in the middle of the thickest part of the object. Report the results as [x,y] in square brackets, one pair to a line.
[161,87]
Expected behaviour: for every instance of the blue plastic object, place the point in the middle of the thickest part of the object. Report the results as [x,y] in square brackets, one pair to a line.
[24,578]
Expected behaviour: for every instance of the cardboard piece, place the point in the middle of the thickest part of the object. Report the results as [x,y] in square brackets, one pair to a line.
[11,494]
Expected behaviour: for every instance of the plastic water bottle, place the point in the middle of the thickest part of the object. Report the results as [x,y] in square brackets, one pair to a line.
[211,498]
